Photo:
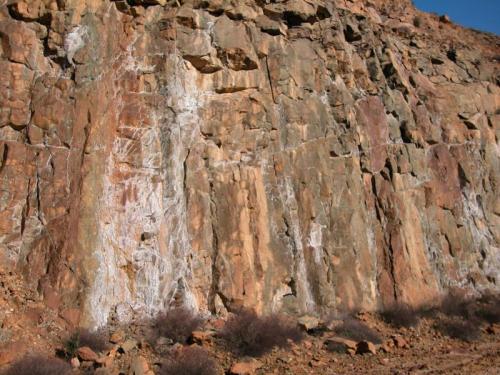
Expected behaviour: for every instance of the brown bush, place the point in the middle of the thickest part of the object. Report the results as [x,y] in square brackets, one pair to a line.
[355,330]
[96,341]
[463,330]
[189,361]
[417,21]
[401,315]
[38,365]
[177,324]
[489,310]
[249,334]
[456,305]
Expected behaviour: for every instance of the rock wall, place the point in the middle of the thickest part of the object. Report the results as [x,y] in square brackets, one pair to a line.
[295,155]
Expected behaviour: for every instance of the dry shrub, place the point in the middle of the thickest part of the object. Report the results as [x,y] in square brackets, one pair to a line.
[456,305]
[355,330]
[463,330]
[177,324]
[489,310]
[96,341]
[253,335]
[401,315]
[191,360]
[38,365]
[417,21]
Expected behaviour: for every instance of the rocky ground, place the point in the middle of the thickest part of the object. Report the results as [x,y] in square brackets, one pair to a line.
[322,154]
[29,328]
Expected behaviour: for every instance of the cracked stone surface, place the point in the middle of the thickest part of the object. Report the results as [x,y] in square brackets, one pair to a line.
[302,156]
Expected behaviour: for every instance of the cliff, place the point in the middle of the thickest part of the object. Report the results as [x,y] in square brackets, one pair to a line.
[300,155]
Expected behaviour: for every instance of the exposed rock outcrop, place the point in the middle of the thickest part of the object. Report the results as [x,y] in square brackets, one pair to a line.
[302,155]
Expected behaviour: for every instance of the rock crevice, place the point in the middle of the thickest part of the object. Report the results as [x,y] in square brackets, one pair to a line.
[303,156]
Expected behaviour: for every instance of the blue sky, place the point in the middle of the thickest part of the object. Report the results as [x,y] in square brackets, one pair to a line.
[478,14]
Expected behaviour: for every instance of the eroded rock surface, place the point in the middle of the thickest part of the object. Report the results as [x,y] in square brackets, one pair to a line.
[300,155]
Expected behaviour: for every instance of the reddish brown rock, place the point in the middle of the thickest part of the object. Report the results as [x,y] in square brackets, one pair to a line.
[202,337]
[245,154]
[364,347]
[87,354]
[400,342]
[74,362]
[245,368]
[341,345]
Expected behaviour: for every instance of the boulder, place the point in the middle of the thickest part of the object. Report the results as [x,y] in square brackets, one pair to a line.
[341,345]
[308,322]
[248,367]
[128,345]
[364,347]
[87,354]
[139,366]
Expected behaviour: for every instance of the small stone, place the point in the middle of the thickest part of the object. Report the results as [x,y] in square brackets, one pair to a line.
[341,345]
[117,337]
[87,364]
[202,337]
[308,323]
[87,354]
[285,359]
[445,18]
[400,342]
[139,366]
[493,329]
[128,345]
[364,347]
[387,346]
[106,361]
[75,363]
[161,341]
[308,344]
[316,363]
[246,367]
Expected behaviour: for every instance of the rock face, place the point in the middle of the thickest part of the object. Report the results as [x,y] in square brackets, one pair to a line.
[299,155]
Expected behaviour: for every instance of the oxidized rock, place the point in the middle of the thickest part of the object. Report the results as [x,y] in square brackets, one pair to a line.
[300,156]
[87,354]
[246,367]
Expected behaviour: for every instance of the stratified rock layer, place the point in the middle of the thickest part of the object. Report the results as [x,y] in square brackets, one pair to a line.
[299,155]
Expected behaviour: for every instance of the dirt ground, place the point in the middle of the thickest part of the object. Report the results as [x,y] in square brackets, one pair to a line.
[29,327]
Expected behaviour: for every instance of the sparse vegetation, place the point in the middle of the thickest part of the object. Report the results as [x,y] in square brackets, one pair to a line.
[189,361]
[463,330]
[417,21]
[355,330]
[253,335]
[456,305]
[38,365]
[83,337]
[401,315]
[489,309]
[177,324]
